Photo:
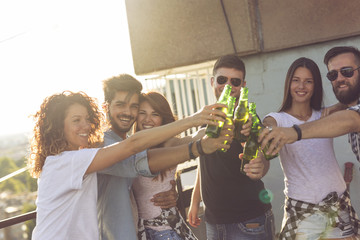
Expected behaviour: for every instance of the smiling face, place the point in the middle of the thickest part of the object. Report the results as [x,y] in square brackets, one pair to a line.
[302,85]
[77,127]
[122,112]
[347,90]
[148,117]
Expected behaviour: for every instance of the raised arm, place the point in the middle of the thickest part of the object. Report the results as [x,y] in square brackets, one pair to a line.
[334,125]
[167,157]
[142,140]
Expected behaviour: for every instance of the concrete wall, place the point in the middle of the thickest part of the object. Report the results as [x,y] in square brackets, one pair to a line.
[265,79]
[169,34]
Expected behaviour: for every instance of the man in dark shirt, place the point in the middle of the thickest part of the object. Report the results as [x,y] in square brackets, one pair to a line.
[234,206]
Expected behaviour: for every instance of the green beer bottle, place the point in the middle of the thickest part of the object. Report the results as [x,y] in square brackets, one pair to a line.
[229,114]
[241,115]
[251,148]
[212,130]
[260,127]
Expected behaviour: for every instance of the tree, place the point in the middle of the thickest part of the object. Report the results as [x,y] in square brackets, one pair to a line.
[15,185]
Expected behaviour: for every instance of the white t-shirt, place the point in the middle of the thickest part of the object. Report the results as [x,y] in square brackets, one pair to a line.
[66,202]
[309,165]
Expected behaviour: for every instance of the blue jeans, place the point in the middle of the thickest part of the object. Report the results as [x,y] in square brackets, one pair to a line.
[260,228]
[161,235]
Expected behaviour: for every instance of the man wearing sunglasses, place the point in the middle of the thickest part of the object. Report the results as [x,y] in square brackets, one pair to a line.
[233,208]
[343,64]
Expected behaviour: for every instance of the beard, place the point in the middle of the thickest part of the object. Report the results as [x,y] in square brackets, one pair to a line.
[350,95]
[118,128]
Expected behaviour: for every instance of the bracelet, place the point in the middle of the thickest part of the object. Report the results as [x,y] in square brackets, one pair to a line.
[298,131]
[199,147]
[192,156]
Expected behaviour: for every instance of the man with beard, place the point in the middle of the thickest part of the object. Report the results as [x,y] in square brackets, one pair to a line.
[115,200]
[115,207]
[343,64]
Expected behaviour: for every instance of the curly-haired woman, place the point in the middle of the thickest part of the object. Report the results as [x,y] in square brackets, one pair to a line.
[65,157]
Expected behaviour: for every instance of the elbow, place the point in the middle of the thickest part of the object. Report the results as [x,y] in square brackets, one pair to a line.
[134,144]
[354,121]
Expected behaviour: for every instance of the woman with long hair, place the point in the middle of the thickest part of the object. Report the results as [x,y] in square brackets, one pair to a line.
[316,202]
[156,223]
[65,158]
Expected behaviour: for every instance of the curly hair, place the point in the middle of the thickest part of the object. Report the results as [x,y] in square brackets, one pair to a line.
[48,134]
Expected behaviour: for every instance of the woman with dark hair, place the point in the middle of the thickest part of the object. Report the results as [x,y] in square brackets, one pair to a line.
[156,223]
[65,158]
[316,203]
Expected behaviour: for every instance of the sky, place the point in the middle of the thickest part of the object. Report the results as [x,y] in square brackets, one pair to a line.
[49,46]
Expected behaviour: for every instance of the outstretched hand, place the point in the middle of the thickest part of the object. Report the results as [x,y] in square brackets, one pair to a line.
[280,136]
[208,115]
[210,145]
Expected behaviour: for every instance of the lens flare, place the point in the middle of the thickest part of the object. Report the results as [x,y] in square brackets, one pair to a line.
[266,196]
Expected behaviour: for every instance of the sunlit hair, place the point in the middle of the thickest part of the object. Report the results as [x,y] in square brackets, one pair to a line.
[333,52]
[160,105]
[230,61]
[48,134]
[317,97]
[123,82]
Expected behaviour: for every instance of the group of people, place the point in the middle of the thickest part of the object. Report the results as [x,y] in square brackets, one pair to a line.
[97,183]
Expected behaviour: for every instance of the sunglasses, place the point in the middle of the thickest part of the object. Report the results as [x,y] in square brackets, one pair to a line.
[234,81]
[345,71]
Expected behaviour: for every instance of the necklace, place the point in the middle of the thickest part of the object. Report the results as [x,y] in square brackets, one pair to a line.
[301,117]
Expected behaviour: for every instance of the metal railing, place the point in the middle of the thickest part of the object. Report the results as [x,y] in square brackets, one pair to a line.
[20,218]
[17,219]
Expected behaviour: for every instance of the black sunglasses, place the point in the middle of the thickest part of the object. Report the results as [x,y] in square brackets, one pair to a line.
[345,71]
[234,81]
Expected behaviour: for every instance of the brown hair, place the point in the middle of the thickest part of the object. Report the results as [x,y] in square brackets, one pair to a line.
[317,97]
[160,105]
[123,82]
[229,61]
[48,134]
[333,52]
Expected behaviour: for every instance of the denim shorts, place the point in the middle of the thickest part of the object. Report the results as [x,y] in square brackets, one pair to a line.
[152,234]
[317,226]
[260,228]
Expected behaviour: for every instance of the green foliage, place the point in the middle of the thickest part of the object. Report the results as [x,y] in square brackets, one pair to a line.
[7,166]
[19,183]
[12,185]
[30,225]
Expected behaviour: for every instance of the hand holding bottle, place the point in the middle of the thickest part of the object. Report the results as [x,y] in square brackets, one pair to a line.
[255,168]
[223,141]
[246,128]
[210,115]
